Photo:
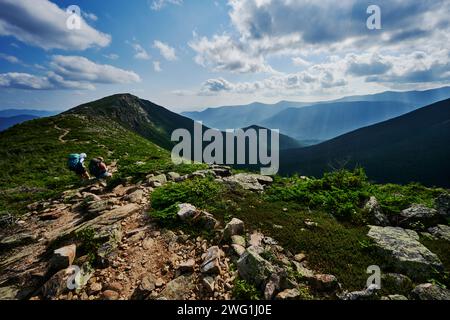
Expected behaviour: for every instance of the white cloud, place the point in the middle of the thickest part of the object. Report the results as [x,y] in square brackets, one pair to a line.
[82,69]
[90,16]
[10,59]
[69,72]
[300,62]
[157,66]
[140,52]
[111,56]
[42,23]
[159,4]
[221,53]
[165,50]
[31,82]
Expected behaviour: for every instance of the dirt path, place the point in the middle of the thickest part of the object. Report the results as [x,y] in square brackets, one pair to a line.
[65,133]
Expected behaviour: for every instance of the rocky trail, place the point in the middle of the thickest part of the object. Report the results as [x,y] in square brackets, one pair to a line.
[63,135]
[93,243]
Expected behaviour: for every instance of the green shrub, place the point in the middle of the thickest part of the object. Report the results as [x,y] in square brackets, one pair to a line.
[199,192]
[340,193]
[242,290]
[89,245]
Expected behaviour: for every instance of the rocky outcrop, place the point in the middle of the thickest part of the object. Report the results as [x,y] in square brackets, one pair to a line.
[443,204]
[428,291]
[441,232]
[252,182]
[178,289]
[254,268]
[233,228]
[376,216]
[406,253]
[63,257]
[417,216]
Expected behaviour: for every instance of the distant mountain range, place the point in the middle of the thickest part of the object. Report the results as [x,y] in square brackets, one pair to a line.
[8,122]
[412,147]
[315,122]
[11,117]
[151,121]
[19,112]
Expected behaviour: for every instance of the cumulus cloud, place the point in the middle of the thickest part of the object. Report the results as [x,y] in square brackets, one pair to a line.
[31,82]
[10,59]
[69,72]
[302,82]
[365,65]
[222,53]
[157,66]
[42,23]
[140,52]
[83,69]
[326,38]
[165,50]
[159,4]
[327,22]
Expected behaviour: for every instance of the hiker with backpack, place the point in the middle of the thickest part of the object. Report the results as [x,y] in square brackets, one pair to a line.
[98,168]
[76,164]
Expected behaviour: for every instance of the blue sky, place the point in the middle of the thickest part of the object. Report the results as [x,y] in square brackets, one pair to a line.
[190,54]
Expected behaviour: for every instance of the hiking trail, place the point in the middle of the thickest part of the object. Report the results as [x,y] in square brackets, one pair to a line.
[65,133]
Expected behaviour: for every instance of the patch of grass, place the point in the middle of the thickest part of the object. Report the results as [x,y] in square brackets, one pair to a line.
[242,290]
[33,161]
[341,193]
[199,192]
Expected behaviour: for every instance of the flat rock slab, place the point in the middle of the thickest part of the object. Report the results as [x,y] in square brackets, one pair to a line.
[405,252]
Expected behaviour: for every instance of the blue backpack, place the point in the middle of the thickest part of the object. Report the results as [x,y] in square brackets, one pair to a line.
[73,161]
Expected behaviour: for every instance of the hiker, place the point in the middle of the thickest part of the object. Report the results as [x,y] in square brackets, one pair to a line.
[76,164]
[98,169]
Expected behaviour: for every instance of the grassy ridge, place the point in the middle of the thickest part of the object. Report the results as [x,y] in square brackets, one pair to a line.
[33,159]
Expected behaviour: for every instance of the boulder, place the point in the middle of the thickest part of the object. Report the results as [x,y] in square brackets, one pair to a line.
[376,215]
[110,295]
[443,204]
[187,266]
[428,291]
[252,182]
[394,297]
[441,232]
[405,252]
[324,282]
[288,294]
[254,268]
[239,240]
[233,228]
[272,286]
[97,207]
[146,286]
[396,282]
[186,211]
[300,257]
[108,251]
[418,215]
[211,260]
[63,257]
[303,272]
[173,176]
[178,289]
[238,249]
[208,221]
[208,284]
[135,197]
[365,294]
[57,284]
[157,181]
